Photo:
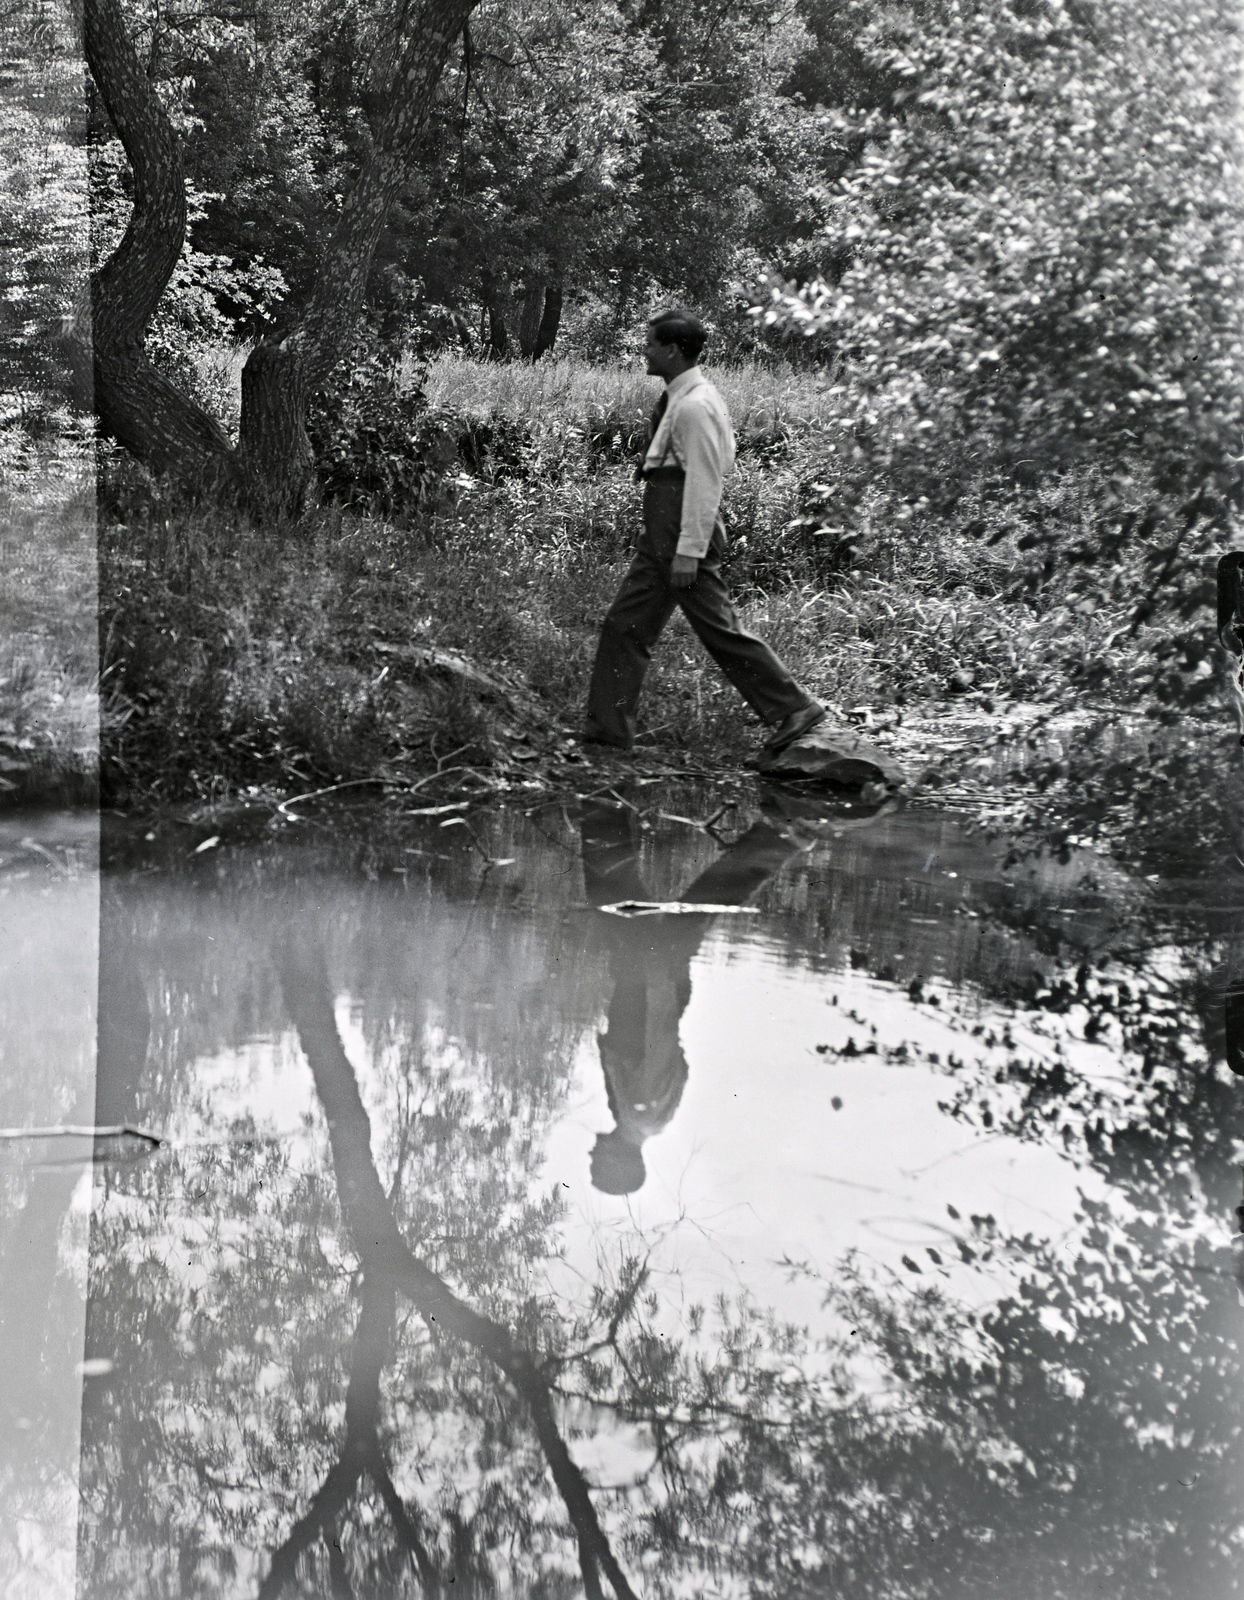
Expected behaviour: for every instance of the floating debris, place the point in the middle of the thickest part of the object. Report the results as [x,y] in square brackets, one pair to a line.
[673,908]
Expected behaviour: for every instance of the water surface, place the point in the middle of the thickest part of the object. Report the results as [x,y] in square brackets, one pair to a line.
[581,1202]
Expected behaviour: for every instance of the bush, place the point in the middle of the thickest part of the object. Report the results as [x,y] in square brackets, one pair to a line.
[381,450]
[1033,274]
[377,449]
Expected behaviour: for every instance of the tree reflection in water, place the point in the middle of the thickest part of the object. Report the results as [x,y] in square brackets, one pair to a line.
[1072,1429]
[387,1263]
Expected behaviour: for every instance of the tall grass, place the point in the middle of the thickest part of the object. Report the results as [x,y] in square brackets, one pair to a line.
[573,431]
[546,394]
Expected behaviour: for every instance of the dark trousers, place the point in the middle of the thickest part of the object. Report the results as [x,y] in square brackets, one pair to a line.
[644,604]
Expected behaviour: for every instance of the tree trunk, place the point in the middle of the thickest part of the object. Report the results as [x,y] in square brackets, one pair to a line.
[341,283]
[530,307]
[498,335]
[623,307]
[499,310]
[136,404]
[140,407]
[274,448]
[550,321]
[274,442]
[384,1255]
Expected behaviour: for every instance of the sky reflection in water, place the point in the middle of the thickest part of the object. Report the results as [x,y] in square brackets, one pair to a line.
[875,1243]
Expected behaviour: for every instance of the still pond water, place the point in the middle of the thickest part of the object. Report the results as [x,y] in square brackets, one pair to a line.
[830,1204]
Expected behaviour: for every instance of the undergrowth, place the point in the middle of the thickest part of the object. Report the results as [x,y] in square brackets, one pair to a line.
[49,700]
[234,656]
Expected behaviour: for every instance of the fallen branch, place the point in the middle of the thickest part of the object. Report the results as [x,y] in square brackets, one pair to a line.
[68,1130]
[316,794]
[449,662]
[419,783]
[673,908]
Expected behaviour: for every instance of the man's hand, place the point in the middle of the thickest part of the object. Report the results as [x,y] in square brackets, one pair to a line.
[683,571]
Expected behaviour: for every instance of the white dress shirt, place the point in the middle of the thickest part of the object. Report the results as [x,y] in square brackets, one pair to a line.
[695,434]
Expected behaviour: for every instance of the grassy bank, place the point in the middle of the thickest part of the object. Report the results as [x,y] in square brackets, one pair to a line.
[351,646]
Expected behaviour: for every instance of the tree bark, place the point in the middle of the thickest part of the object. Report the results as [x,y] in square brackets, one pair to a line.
[275,450]
[531,307]
[135,403]
[550,321]
[498,335]
[498,310]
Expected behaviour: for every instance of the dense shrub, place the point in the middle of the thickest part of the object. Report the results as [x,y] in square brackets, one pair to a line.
[1037,256]
[376,447]
[1031,276]
[382,450]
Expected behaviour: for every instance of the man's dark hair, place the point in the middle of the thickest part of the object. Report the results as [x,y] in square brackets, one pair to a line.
[681,328]
[617,1164]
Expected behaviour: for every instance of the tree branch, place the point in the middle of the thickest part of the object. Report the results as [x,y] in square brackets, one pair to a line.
[373,1340]
[144,260]
[407,1527]
[331,1498]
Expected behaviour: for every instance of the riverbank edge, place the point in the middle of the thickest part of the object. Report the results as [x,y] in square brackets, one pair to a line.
[1010,770]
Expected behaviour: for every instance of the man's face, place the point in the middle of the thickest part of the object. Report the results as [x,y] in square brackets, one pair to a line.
[664,360]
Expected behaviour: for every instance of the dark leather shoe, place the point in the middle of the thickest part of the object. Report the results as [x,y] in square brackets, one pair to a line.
[794,727]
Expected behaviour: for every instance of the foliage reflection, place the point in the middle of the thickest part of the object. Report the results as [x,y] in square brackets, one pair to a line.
[356,1353]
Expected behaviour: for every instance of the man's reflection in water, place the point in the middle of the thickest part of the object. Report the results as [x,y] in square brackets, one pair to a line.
[650,963]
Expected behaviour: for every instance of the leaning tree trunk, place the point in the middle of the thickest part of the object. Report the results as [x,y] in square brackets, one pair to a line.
[138,405]
[135,403]
[277,458]
[278,378]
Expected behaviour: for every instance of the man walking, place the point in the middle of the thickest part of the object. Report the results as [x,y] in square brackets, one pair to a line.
[678,557]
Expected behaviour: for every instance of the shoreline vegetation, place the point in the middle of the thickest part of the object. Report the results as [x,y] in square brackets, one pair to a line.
[442,644]
[973,278]
[49,647]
